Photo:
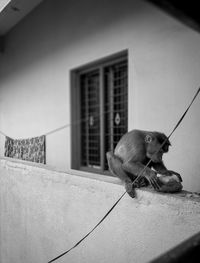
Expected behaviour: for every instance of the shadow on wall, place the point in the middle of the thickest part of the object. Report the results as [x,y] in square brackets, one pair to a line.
[52,27]
[187,251]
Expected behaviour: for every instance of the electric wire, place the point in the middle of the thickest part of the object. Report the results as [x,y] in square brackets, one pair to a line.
[74,123]
[176,126]
[139,175]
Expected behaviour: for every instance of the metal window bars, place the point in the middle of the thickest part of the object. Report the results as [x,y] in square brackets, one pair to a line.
[114,84]
[116,103]
[90,135]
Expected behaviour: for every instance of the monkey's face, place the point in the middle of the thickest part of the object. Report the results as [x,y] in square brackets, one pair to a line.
[156,157]
[154,151]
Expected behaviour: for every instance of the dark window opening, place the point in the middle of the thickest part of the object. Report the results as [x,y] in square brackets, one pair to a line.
[100,102]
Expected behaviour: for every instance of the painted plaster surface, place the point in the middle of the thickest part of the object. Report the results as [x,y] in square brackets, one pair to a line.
[59,36]
[44,212]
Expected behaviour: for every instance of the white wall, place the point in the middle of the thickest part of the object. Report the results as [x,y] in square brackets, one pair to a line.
[44,213]
[164,73]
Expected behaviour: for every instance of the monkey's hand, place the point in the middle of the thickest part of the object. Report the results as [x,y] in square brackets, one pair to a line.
[130,189]
[171,183]
[140,182]
[170,173]
[153,180]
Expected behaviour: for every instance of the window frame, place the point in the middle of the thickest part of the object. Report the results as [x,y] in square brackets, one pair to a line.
[75,109]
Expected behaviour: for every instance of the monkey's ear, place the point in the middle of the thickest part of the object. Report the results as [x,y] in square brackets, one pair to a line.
[148,138]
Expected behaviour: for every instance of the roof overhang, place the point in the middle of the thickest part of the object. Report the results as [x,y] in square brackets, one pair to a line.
[13,11]
[185,11]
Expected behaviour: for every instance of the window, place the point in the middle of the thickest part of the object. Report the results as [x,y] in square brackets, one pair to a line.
[99,111]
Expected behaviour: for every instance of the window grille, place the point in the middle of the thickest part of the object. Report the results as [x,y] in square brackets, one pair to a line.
[90,128]
[101,91]
[116,104]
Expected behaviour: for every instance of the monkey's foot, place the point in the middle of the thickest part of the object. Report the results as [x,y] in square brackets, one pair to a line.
[130,189]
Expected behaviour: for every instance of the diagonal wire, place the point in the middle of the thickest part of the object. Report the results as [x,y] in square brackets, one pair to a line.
[77,122]
[140,174]
[176,126]
[109,211]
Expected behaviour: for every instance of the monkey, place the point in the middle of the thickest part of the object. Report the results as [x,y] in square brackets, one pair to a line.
[133,152]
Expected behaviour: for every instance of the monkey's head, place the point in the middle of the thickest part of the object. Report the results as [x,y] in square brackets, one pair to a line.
[154,141]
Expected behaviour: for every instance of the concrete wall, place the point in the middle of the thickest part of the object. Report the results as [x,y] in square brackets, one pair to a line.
[164,73]
[44,213]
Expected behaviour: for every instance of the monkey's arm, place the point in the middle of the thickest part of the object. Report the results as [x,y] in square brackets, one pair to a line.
[159,167]
[137,168]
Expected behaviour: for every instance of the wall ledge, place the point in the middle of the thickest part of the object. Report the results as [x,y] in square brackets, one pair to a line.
[17,164]
[184,199]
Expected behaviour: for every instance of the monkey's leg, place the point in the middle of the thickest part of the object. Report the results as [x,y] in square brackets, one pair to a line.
[115,166]
[137,168]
